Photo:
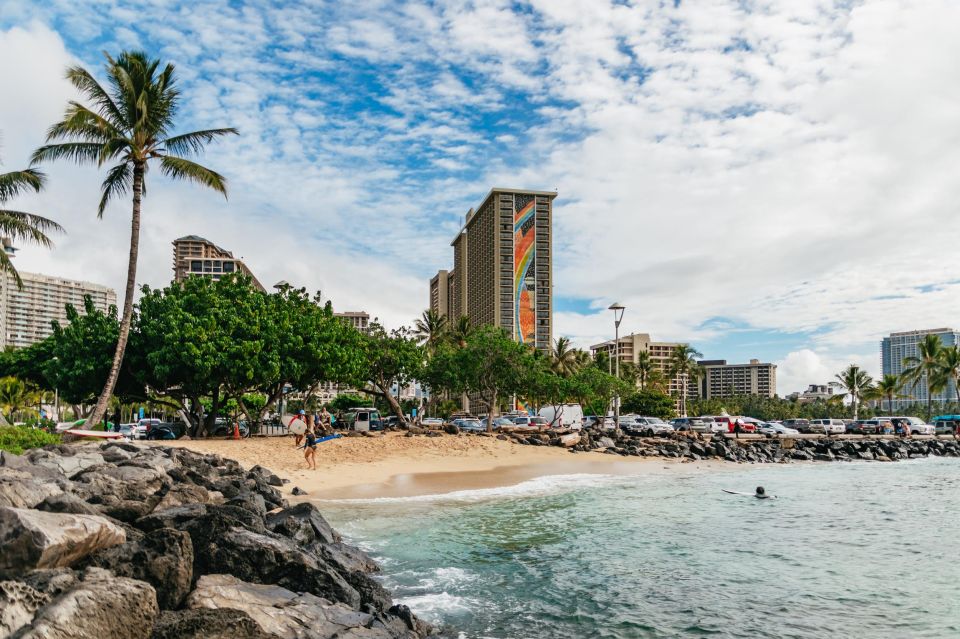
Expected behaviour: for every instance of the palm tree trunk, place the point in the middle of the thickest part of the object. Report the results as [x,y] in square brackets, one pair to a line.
[102,402]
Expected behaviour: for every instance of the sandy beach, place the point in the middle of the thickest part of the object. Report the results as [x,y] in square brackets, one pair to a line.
[393,465]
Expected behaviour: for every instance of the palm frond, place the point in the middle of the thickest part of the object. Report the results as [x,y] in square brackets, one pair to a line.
[16,182]
[6,266]
[193,143]
[86,84]
[117,182]
[26,226]
[181,169]
[79,152]
[81,122]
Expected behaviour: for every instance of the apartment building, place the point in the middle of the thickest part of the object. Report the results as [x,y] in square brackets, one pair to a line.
[502,267]
[660,353]
[813,393]
[26,314]
[360,320]
[721,379]
[896,347]
[194,255]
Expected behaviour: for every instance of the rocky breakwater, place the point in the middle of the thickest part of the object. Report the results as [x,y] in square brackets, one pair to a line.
[126,541]
[771,450]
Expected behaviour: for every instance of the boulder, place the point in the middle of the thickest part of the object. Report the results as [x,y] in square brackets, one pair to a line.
[66,503]
[208,623]
[97,607]
[605,442]
[52,581]
[21,489]
[34,539]
[124,492]
[66,460]
[181,494]
[298,491]
[267,476]
[287,614]
[302,523]
[18,604]
[452,429]
[163,558]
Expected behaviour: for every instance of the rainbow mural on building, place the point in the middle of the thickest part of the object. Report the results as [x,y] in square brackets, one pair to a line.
[524,272]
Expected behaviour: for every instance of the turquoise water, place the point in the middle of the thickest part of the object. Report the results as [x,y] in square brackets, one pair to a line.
[847,550]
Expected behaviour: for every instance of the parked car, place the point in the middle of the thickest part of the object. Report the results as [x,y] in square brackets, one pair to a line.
[563,416]
[500,422]
[646,426]
[529,422]
[431,422]
[223,427]
[747,424]
[878,426]
[393,421]
[946,424]
[776,428]
[796,423]
[828,426]
[471,425]
[690,423]
[361,419]
[594,420]
[713,426]
[165,430]
[916,425]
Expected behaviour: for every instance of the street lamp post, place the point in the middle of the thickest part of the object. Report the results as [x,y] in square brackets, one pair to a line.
[618,310]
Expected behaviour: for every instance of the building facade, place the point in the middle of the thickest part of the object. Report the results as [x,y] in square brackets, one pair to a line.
[721,379]
[360,320]
[813,393]
[660,353]
[502,267]
[26,314]
[194,255]
[896,347]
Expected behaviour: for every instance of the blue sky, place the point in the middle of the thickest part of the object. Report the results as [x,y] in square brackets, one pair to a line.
[759,178]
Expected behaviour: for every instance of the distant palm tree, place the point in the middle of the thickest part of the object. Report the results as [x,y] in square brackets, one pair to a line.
[887,388]
[129,124]
[460,332]
[684,368]
[950,366]
[431,329]
[857,383]
[16,395]
[18,225]
[647,369]
[564,360]
[927,367]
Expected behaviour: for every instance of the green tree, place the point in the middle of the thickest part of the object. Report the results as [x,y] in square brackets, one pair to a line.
[129,124]
[595,388]
[950,367]
[431,329]
[856,382]
[460,331]
[18,225]
[16,396]
[887,388]
[927,368]
[390,358]
[565,359]
[684,368]
[649,402]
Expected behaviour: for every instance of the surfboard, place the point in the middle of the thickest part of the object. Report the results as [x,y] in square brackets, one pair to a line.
[735,492]
[79,432]
[329,437]
[296,424]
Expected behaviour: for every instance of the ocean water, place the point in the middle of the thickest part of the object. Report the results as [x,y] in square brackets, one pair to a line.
[846,550]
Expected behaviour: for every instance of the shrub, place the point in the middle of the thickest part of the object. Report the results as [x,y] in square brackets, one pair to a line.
[16,439]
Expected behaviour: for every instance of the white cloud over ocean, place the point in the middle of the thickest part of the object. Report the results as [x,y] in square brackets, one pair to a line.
[787,167]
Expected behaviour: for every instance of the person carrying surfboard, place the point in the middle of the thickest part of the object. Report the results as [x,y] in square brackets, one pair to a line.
[310,448]
[299,432]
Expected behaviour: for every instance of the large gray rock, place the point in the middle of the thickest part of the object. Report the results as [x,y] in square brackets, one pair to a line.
[124,492]
[33,539]
[68,460]
[100,606]
[18,604]
[303,523]
[22,489]
[208,623]
[163,558]
[290,615]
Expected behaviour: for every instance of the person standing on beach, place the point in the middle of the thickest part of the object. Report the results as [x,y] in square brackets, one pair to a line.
[298,437]
[310,449]
[326,421]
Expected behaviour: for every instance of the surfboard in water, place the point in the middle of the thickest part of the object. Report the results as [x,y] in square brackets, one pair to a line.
[737,492]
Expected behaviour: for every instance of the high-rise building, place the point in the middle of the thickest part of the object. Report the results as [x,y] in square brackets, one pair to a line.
[502,267]
[358,319]
[660,353]
[898,346]
[729,380]
[194,255]
[26,314]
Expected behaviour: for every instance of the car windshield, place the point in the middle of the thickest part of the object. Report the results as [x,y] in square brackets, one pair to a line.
[538,420]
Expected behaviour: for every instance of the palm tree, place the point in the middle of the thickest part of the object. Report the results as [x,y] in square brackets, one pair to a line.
[684,368]
[460,332]
[15,396]
[18,225]
[926,366]
[431,329]
[564,360]
[129,124]
[887,388]
[950,366]
[646,369]
[856,382]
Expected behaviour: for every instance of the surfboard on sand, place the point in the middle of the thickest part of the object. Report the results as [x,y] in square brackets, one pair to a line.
[79,432]
[295,424]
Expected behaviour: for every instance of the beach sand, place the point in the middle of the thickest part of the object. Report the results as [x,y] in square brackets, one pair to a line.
[393,465]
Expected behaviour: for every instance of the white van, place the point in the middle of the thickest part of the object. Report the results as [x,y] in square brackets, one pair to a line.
[828,426]
[563,416]
[363,419]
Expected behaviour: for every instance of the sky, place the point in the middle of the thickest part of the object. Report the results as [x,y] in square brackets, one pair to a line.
[772,180]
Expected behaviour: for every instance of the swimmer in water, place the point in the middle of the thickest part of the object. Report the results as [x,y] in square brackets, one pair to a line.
[761,493]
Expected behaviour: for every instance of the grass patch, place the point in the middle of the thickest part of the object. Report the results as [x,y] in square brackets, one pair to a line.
[16,439]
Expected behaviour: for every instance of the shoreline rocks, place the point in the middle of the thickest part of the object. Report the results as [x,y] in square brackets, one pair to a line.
[138,541]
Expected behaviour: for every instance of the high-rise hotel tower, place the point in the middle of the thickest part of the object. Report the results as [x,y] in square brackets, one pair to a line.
[502,267]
